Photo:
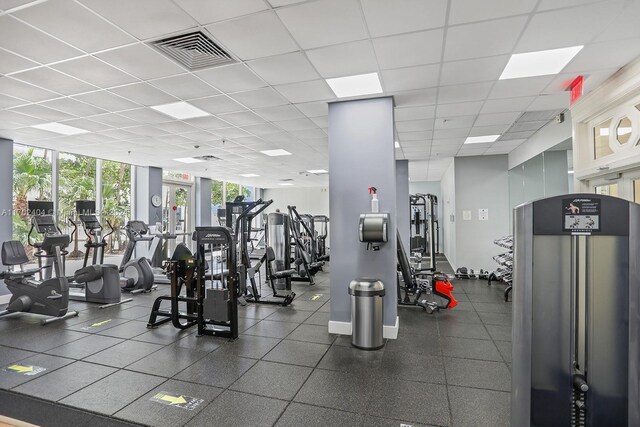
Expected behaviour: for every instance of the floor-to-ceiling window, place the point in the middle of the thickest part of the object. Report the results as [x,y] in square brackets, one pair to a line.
[77,181]
[116,203]
[31,181]
[217,201]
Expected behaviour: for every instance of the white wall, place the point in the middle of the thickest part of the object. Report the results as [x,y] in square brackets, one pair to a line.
[548,137]
[480,182]
[431,187]
[448,202]
[314,201]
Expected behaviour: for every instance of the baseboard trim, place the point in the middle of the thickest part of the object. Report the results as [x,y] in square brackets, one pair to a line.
[4,299]
[344,328]
[339,328]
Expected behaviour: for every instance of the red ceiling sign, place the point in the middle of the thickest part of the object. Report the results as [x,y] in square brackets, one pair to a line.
[576,89]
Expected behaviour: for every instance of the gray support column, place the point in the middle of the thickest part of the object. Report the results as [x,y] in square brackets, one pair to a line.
[203,201]
[148,183]
[6,200]
[361,154]
[402,202]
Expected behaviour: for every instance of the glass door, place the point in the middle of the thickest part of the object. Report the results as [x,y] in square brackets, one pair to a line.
[177,215]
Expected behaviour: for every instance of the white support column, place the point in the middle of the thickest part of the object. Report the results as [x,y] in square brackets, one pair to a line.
[6,202]
[55,184]
[99,187]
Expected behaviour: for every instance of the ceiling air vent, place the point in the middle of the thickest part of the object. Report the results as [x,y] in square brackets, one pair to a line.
[193,50]
[207,158]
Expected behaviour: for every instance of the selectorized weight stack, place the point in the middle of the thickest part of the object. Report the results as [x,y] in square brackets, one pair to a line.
[576,314]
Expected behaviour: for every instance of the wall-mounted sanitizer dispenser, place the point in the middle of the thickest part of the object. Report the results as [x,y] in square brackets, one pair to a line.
[374,227]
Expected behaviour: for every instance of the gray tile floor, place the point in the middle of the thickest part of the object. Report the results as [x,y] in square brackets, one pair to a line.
[447,369]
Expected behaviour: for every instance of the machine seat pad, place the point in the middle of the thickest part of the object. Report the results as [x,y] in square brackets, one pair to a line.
[283,274]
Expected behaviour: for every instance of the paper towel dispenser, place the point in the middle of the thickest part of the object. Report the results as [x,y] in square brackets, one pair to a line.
[374,227]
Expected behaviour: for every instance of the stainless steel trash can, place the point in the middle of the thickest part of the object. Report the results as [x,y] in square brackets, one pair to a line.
[366,313]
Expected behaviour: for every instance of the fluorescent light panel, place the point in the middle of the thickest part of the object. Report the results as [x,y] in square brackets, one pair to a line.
[60,128]
[397,144]
[285,183]
[317,171]
[180,110]
[274,153]
[541,63]
[249,175]
[481,139]
[361,84]
[188,160]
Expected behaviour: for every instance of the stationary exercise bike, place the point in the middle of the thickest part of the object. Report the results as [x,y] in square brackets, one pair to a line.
[48,297]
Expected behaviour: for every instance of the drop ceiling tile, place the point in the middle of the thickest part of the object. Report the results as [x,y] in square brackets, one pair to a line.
[147,116]
[517,135]
[146,130]
[18,89]
[297,124]
[10,119]
[408,50]
[175,139]
[184,86]
[451,133]
[306,134]
[529,86]
[118,134]
[262,129]
[324,22]
[231,78]
[217,104]
[242,118]
[176,127]
[567,27]
[95,72]
[464,11]
[49,79]
[597,56]
[414,113]
[73,107]
[527,126]
[143,94]
[416,97]
[114,120]
[473,70]
[87,124]
[313,109]
[106,100]
[201,136]
[75,25]
[11,63]
[278,138]
[259,98]
[31,43]
[414,125]
[625,24]
[344,60]
[283,112]
[220,10]
[207,123]
[42,113]
[415,136]
[448,142]
[464,93]
[10,101]
[322,122]
[410,78]
[550,102]
[454,122]
[506,105]
[231,133]
[497,119]
[489,130]
[141,61]
[254,36]
[143,18]
[316,90]
[280,69]
[483,39]
[402,16]
[458,109]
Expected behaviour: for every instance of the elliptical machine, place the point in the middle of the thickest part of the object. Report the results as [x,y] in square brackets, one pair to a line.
[137,231]
[48,297]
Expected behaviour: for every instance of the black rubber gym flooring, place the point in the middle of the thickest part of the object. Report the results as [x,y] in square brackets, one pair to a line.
[447,369]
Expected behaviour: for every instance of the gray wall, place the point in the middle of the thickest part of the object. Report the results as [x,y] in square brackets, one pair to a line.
[402,202]
[432,187]
[449,215]
[361,154]
[148,183]
[6,197]
[480,182]
[203,201]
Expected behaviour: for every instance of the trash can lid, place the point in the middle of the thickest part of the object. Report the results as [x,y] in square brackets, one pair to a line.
[366,286]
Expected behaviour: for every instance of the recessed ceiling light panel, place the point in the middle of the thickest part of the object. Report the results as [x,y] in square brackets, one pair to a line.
[397,144]
[274,153]
[317,171]
[249,175]
[188,160]
[285,183]
[541,63]
[180,110]
[361,84]
[481,139]
[60,128]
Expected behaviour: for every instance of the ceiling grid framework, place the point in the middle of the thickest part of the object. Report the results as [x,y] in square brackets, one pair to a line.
[89,64]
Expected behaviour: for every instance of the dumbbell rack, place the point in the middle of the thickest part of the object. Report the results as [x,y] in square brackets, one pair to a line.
[504,272]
